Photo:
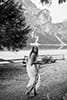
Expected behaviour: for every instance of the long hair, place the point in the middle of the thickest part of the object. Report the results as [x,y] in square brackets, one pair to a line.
[34,50]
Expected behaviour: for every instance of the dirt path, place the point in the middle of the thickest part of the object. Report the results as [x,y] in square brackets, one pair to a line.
[53,83]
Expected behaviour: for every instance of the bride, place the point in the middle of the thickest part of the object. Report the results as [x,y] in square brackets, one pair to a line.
[33,72]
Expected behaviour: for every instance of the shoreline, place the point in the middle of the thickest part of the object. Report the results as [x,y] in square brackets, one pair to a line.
[22,53]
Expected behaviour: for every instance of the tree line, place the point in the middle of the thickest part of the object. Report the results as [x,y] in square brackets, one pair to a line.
[13,28]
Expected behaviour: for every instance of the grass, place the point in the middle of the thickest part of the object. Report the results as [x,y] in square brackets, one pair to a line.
[8,71]
[13,81]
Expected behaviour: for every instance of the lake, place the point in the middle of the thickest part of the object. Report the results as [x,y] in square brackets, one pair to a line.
[22,53]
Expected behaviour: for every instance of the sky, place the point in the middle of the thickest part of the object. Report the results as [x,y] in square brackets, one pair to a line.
[57,12]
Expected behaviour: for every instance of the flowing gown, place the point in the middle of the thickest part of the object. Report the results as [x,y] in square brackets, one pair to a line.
[33,73]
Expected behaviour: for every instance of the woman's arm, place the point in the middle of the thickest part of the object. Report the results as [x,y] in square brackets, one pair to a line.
[34,60]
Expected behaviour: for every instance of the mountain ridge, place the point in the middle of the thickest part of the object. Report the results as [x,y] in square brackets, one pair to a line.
[42,27]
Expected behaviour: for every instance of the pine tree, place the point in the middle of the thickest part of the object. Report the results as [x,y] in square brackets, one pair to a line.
[61,1]
[47,1]
[13,28]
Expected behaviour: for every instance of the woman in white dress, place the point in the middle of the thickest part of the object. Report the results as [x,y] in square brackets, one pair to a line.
[33,71]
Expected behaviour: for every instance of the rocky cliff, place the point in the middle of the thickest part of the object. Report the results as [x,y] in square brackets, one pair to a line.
[42,27]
